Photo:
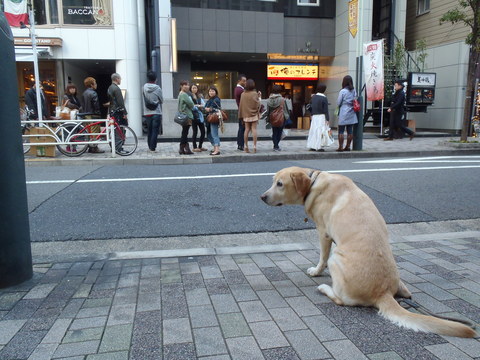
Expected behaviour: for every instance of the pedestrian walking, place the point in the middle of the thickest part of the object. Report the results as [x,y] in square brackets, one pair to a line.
[397,111]
[117,108]
[318,136]
[276,107]
[152,109]
[239,89]
[211,107]
[91,108]
[198,122]
[346,116]
[249,111]
[185,105]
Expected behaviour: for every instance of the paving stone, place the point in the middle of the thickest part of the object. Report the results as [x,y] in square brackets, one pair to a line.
[202,316]
[149,286]
[125,296]
[440,281]
[216,357]
[57,331]
[209,341]
[431,304]
[121,314]
[303,306]
[338,314]
[211,272]
[364,339]
[259,282]
[8,300]
[447,352]
[90,303]
[193,281]
[410,278]
[254,311]
[286,288]
[22,345]
[268,335]
[170,276]
[464,308]
[176,331]
[446,264]
[435,292]
[197,297]
[233,325]
[244,348]
[471,348]
[444,273]
[284,353]
[389,355]
[146,346]
[301,279]
[88,323]
[224,303]
[83,291]
[323,328]
[297,259]
[467,295]
[23,309]
[149,302]
[149,271]
[40,291]
[397,340]
[242,259]
[250,269]
[8,328]
[271,299]
[226,262]
[287,266]
[315,296]
[189,268]
[93,312]
[344,350]
[118,355]
[306,345]
[262,261]
[179,352]
[116,338]
[83,335]
[274,274]
[148,322]
[416,260]
[129,280]
[287,319]
[43,352]
[243,292]
[76,349]
[217,286]
[233,277]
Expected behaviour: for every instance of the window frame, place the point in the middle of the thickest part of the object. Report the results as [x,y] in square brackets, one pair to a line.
[422,7]
[317,3]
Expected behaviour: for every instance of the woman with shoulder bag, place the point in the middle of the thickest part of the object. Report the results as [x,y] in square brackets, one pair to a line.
[248,110]
[276,107]
[346,115]
[70,99]
[198,119]
[212,108]
[320,121]
[185,105]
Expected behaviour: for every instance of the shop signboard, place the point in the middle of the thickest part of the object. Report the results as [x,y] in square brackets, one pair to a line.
[87,12]
[421,88]
[353,17]
[292,72]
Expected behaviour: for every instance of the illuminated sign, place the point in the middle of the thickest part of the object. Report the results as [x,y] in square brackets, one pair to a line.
[292,72]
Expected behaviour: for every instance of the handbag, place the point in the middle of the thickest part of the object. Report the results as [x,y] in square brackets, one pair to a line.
[356,105]
[217,116]
[65,111]
[277,117]
[181,118]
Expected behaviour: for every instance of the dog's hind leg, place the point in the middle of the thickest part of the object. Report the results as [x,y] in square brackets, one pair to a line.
[328,291]
[325,247]
[402,291]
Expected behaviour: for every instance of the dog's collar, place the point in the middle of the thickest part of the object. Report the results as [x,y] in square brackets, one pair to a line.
[312,173]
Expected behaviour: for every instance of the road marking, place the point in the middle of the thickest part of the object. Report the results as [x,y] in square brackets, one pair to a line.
[40,182]
[433,159]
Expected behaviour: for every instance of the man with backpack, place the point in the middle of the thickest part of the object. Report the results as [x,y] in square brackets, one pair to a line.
[152,109]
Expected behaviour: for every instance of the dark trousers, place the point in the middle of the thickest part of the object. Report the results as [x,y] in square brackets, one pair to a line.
[153,126]
[396,128]
[184,138]
[241,133]
[119,117]
[196,124]
[276,136]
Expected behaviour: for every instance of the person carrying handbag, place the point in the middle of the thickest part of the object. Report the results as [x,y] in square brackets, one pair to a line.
[347,117]
[212,108]
[318,135]
[276,107]
[185,105]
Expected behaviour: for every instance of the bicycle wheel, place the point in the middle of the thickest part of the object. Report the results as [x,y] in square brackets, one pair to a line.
[25,139]
[72,133]
[128,143]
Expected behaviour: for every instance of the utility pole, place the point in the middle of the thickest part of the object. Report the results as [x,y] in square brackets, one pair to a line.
[31,19]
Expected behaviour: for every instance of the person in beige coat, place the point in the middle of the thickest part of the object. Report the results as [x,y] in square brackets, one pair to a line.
[249,111]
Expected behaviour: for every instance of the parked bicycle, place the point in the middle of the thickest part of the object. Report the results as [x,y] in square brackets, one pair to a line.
[126,141]
[26,114]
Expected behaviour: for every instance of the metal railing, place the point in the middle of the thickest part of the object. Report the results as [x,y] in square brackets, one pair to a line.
[63,134]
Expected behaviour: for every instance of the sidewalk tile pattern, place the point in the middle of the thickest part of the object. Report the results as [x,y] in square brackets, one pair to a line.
[249,306]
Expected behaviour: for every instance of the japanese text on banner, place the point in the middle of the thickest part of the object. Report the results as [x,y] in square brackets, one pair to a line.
[373,69]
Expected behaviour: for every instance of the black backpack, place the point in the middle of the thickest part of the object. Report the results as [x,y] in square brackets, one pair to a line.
[149,104]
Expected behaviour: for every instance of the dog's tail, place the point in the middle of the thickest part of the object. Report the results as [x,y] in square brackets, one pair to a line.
[391,310]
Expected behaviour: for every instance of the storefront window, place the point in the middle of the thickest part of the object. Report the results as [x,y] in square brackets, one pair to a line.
[223,80]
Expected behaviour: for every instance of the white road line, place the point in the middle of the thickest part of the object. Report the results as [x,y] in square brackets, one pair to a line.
[247,175]
[433,159]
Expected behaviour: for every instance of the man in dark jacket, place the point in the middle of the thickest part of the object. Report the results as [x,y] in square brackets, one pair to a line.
[239,89]
[91,106]
[397,111]
[153,94]
[31,102]
[117,106]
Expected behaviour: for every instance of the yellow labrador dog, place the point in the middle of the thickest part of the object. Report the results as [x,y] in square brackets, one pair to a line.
[361,264]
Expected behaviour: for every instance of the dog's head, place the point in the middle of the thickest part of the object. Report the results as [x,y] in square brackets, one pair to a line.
[290,187]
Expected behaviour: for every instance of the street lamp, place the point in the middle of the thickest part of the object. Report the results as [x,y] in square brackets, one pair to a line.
[31,30]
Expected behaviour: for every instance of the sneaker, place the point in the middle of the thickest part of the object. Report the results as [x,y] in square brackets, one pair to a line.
[276,149]
[152,150]
[240,148]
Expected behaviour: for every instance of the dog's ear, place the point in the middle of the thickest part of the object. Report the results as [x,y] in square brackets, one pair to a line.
[302,183]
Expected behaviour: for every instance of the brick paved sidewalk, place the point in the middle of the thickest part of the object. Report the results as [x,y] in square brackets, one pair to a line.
[234,306]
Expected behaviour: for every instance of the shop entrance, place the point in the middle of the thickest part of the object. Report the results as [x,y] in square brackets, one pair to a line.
[299,92]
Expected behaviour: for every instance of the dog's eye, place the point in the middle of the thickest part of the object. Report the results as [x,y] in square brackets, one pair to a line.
[279,184]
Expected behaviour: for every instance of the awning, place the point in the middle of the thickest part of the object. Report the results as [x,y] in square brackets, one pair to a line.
[24,53]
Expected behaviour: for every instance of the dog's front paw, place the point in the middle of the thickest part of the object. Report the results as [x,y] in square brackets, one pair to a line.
[313,271]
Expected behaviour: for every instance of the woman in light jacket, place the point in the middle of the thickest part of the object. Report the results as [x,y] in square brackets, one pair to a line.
[320,124]
[274,101]
[185,105]
[249,111]
[346,116]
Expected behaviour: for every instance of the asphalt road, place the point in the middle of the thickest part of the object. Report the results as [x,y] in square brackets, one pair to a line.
[118,202]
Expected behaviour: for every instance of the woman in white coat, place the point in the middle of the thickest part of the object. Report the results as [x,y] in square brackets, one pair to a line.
[319,126]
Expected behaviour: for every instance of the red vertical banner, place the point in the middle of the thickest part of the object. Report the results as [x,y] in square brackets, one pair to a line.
[373,70]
